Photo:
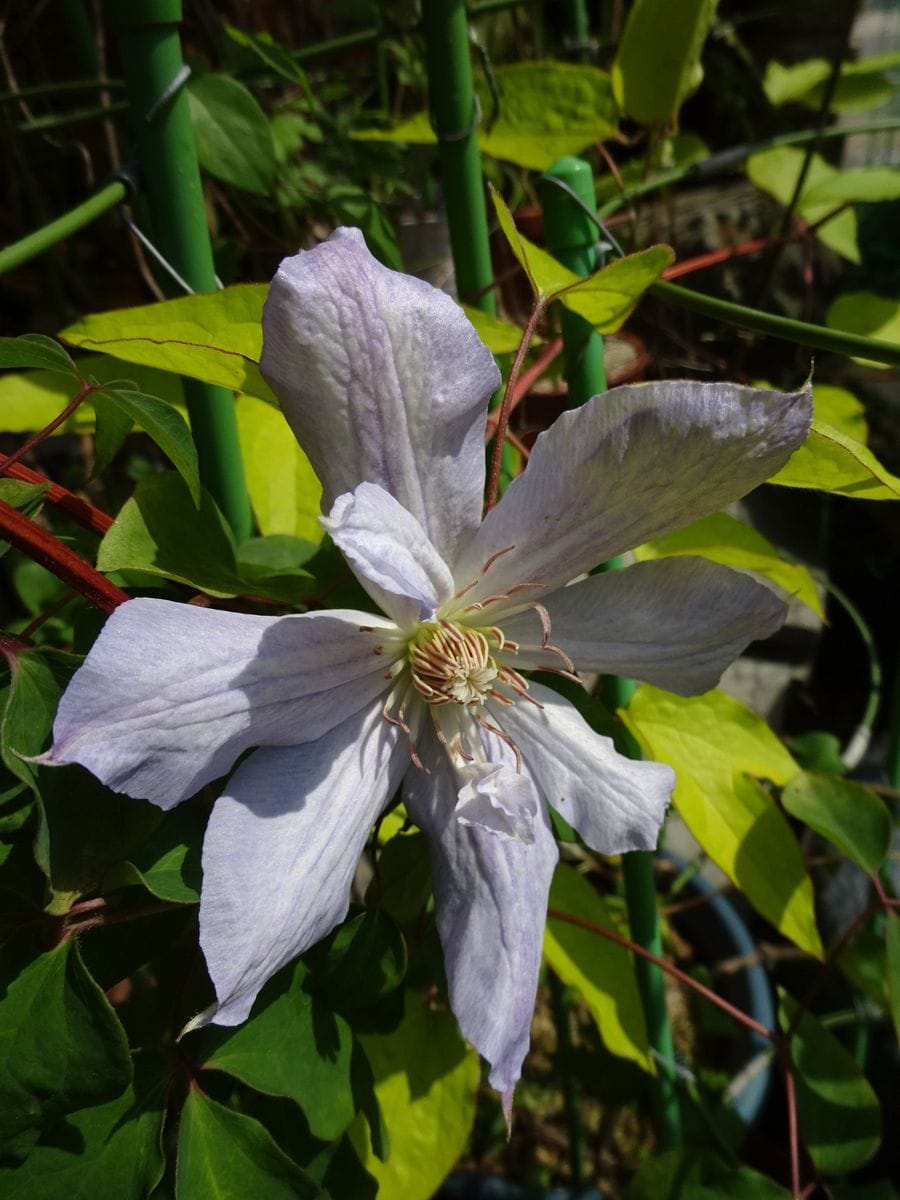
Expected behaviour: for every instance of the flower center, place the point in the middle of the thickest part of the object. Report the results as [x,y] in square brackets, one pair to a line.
[451,664]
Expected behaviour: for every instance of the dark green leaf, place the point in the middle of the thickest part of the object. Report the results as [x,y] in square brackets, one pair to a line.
[312,1066]
[88,828]
[108,1152]
[112,426]
[35,350]
[402,886]
[892,935]
[839,1114]
[61,1046]
[168,863]
[356,207]
[166,426]
[228,1156]
[848,814]
[234,141]
[273,55]
[361,963]
[28,498]
[818,751]
[276,552]
[693,1174]
[37,682]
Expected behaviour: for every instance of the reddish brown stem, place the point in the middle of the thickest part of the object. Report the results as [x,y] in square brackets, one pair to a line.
[67,502]
[790,1096]
[526,382]
[682,976]
[503,416]
[60,419]
[59,559]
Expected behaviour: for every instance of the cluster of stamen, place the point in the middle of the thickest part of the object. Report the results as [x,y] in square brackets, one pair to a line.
[455,664]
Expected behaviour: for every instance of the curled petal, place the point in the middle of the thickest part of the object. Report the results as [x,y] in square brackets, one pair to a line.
[281,850]
[390,554]
[497,798]
[674,622]
[491,900]
[614,803]
[389,370]
[170,695]
[622,469]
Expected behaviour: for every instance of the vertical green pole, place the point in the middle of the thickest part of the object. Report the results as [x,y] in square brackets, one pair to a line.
[577,29]
[454,113]
[571,236]
[166,151]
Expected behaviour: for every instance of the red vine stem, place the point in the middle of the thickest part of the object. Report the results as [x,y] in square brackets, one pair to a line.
[60,419]
[59,559]
[503,414]
[524,385]
[790,1096]
[682,976]
[73,506]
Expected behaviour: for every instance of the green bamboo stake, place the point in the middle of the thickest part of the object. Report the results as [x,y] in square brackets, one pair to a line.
[33,244]
[454,114]
[571,235]
[166,150]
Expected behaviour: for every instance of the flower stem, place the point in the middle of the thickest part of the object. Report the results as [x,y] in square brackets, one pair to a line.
[60,419]
[82,513]
[504,409]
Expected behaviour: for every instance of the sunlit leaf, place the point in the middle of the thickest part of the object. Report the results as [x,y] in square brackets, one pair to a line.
[425,1081]
[606,298]
[725,540]
[229,1156]
[848,814]
[602,971]
[234,141]
[862,83]
[657,64]
[546,110]
[285,493]
[719,750]
[839,1114]
[832,461]
[866,313]
[216,338]
[840,408]
[868,184]
[776,171]
[500,337]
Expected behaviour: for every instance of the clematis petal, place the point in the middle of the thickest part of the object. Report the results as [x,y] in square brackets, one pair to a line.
[622,469]
[497,798]
[673,622]
[390,554]
[388,369]
[281,850]
[491,898]
[170,695]
[614,803]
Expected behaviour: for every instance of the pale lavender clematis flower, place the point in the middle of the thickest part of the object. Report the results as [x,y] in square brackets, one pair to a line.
[385,384]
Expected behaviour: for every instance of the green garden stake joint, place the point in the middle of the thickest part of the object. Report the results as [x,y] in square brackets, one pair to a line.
[166,152]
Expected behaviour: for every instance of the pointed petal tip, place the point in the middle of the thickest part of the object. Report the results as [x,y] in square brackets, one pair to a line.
[199,1021]
[507,1101]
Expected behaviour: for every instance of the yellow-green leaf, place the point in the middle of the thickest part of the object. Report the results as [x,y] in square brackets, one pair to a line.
[840,408]
[869,314]
[284,489]
[425,1081]
[606,298]
[776,171]
[724,540]
[719,750]
[546,110]
[601,970]
[216,338]
[658,60]
[862,84]
[832,461]
[500,337]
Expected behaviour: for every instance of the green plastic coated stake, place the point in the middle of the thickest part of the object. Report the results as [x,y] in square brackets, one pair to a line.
[167,152]
[571,238]
[454,114]
[42,239]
